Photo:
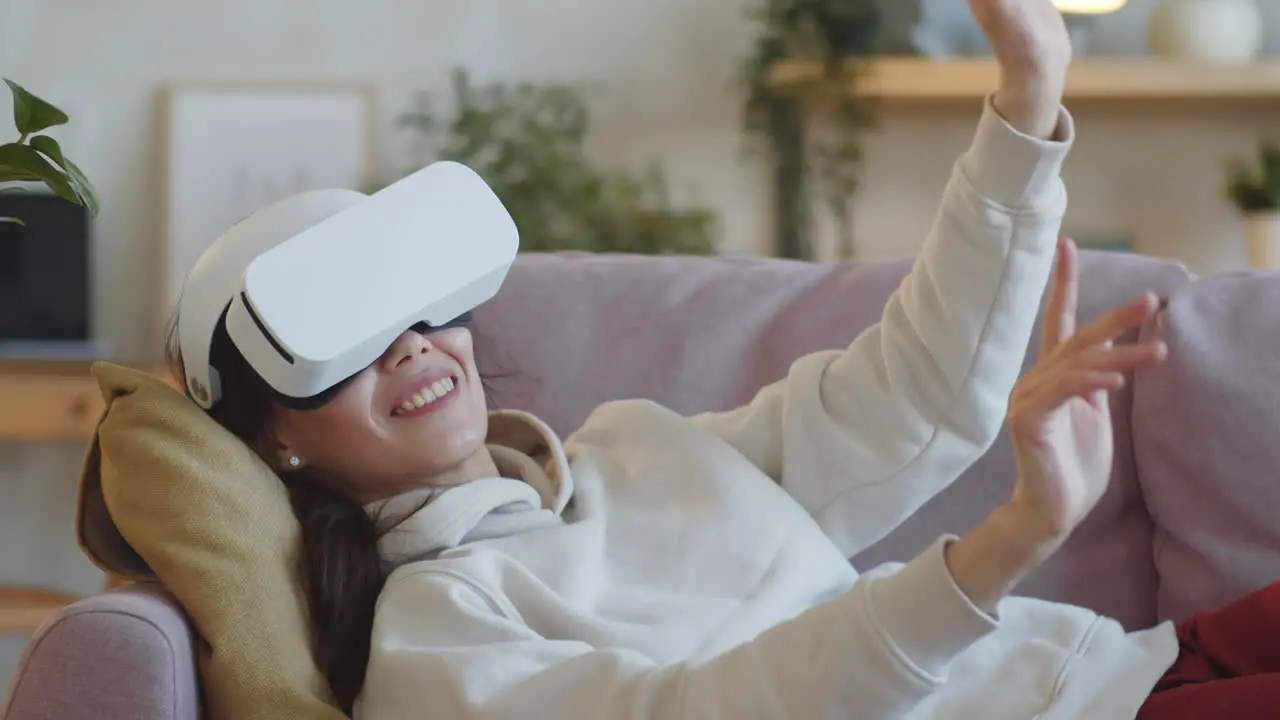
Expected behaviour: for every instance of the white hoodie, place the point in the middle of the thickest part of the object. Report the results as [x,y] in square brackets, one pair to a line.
[660,566]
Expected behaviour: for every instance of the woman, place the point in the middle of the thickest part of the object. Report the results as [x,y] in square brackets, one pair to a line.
[659,566]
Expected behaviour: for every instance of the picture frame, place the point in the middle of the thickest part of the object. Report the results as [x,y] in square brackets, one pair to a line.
[230,149]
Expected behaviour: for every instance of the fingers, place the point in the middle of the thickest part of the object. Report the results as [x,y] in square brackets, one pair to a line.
[1041,399]
[1071,290]
[1115,323]
[1121,359]
[1060,313]
[1089,363]
[1103,358]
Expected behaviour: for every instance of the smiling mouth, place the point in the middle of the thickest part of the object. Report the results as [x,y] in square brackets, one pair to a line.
[428,395]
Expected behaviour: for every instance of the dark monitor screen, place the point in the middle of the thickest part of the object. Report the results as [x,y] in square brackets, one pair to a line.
[44,269]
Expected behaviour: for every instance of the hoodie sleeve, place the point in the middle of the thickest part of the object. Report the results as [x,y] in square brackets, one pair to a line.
[862,437]
[445,643]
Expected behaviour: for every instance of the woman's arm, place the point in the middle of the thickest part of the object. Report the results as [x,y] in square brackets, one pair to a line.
[864,436]
[872,653]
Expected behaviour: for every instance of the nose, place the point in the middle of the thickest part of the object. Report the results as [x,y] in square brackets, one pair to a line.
[409,345]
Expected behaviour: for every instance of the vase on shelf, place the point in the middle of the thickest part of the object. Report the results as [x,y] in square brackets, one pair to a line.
[1218,32]
[1262,239]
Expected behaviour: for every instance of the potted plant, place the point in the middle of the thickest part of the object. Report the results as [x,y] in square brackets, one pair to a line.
[1254,189]
[36,157]
[822,149]
[528,141]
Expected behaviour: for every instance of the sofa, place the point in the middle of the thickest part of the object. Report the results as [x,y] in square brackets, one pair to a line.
[1187,523]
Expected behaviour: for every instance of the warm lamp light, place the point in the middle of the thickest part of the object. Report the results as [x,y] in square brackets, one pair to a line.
[1079,15]
[1088,7]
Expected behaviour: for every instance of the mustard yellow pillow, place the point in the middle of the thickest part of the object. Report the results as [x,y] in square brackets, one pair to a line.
[167,493]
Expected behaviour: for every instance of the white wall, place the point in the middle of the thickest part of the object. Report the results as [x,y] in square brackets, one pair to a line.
[662,70]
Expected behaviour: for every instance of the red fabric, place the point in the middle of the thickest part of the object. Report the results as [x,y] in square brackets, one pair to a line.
[1228,665]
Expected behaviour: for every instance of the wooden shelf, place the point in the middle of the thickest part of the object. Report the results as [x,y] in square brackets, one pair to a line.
[911,79]
[23,610]
[49,401]
[53,400]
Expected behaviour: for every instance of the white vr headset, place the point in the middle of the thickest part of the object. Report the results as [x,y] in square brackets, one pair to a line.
[313,289]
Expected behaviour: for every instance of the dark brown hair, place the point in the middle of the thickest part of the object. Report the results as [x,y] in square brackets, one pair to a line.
[341,570]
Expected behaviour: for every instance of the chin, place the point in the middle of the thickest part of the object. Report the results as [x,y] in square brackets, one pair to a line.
[448,453]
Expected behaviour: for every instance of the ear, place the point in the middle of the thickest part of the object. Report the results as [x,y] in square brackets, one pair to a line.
[282,457]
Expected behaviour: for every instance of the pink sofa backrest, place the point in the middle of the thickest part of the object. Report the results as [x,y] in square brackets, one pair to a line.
[1190,520]
[704,334]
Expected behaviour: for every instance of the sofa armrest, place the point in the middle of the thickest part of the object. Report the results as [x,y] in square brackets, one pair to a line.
[124,654]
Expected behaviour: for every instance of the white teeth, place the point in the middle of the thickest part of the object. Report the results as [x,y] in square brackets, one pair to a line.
[427,395]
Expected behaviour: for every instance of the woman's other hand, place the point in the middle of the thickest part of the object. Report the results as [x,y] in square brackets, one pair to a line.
[1060,422]
[1033,50]
[1059,414]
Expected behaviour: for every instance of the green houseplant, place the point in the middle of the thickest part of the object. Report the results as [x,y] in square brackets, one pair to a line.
[826,155]
[528,142]
[36,157]
[1254,189]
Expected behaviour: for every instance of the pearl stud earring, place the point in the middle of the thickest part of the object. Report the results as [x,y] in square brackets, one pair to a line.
[295,462]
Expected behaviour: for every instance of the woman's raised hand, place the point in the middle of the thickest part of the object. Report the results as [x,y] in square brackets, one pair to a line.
[1033,49]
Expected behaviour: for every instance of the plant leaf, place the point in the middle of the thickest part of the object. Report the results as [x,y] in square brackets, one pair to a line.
[33,114]
[85,189]
[12,221]
[79,182]
[527,140]
[12,174]
[24,158]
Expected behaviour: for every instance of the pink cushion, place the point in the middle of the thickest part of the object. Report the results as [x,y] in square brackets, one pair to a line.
[1207,430]
[569,332]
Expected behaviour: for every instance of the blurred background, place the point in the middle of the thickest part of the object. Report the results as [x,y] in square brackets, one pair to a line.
[814,129]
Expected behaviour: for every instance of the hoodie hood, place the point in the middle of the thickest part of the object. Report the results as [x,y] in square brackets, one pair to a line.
[532,489]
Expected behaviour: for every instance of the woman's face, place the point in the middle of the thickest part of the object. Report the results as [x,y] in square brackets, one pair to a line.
[409,420]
